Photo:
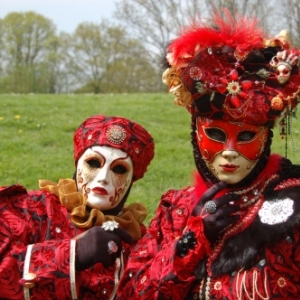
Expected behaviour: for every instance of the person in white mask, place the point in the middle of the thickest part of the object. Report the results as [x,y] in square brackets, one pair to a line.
[71,240]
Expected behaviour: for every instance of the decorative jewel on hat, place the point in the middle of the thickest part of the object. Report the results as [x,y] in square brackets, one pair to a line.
[116,134]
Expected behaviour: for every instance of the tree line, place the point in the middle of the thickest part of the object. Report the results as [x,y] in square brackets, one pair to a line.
[119,55]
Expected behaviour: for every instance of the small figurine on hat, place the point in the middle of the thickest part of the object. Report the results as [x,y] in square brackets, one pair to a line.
[71,240]
[234,234]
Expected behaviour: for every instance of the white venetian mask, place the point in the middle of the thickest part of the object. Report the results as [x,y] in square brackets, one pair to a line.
[104,175]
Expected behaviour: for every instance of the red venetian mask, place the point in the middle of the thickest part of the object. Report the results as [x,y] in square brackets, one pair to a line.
[215,136]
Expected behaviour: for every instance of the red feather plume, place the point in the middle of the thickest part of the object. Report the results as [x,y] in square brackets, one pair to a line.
[238,32]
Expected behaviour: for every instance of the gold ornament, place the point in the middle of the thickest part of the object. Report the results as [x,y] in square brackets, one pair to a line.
[277,103]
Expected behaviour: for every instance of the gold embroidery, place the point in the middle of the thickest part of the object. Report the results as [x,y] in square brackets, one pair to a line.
[241,286]
[281,282]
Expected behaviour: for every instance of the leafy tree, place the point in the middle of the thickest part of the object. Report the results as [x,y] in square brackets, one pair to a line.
[25,37]
[132,71]
[56,77]
[103,59]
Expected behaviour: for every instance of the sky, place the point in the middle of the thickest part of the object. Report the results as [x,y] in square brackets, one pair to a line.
[65,14]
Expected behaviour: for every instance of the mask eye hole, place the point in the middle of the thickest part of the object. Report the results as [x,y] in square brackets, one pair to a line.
[119,169]
[93,163]
[216,134]
[246,136]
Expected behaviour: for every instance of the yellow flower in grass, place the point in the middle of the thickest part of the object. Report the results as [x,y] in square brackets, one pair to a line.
[1,118]
[20,130]
[17,117]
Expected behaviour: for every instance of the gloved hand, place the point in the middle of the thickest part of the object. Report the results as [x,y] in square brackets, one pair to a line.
[216,222]
[98,245]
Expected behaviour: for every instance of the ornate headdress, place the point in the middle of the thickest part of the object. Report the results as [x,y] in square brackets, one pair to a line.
[232,71]
[119,133]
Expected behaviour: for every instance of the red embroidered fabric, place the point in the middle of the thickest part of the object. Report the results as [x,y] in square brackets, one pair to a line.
[38,218]
[154,272]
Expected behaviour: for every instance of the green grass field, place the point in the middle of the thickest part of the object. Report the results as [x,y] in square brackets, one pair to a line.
[36,133]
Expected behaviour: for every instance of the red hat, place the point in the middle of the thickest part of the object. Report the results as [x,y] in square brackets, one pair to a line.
[119,133]
[231,71]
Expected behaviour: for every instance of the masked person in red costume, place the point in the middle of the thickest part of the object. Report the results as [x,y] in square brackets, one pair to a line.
[234,234]
[71,240]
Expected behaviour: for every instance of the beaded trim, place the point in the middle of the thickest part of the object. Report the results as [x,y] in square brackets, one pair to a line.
[200,289]
[251,195]
[207,289]
[291,182]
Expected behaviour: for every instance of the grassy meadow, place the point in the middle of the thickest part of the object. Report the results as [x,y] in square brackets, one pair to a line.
[36,134]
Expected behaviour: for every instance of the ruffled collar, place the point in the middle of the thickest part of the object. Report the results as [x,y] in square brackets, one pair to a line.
[129,218]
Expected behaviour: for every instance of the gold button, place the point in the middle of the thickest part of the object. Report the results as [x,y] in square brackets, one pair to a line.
[28,285]
[29,278]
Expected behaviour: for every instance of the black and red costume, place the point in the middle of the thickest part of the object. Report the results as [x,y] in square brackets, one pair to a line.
[253,260]
[239,240]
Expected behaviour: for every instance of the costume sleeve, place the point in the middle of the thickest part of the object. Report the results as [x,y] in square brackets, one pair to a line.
[154,270]
[30,264]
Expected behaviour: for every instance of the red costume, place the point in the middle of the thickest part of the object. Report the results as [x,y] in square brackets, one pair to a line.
[235,234]
[270,270]
[39,218]
[40,229]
